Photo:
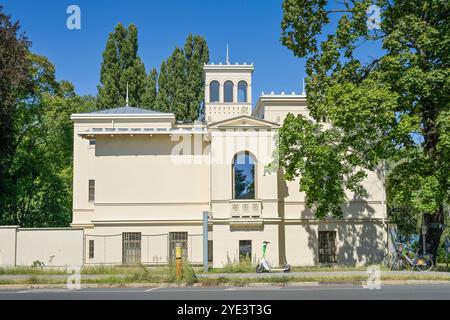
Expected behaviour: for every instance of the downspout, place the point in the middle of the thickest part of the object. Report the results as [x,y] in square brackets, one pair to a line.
[15,248]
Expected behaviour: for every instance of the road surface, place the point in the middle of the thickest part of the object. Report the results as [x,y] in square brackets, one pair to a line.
[319,292]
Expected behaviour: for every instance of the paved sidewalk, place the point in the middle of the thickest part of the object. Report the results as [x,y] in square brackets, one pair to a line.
[308,274]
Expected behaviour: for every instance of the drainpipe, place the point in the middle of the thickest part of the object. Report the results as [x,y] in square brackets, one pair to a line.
[205,241]
[15,247]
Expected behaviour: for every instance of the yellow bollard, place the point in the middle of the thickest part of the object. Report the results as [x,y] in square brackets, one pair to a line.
[179,261]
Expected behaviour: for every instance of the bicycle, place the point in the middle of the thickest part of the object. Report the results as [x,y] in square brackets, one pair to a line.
[422,262]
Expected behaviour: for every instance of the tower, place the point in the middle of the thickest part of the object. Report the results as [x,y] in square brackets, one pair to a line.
[228,90]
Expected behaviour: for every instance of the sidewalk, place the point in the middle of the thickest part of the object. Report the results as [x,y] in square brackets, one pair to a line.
[308,274]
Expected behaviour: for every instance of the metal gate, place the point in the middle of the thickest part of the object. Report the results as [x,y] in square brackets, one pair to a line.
[131,247]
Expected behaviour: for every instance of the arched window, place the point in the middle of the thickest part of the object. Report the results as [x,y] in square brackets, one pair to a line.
[228,91]
[243,176]
[214,91]
[242,91]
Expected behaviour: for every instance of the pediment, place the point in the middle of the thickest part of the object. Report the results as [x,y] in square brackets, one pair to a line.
[243,122]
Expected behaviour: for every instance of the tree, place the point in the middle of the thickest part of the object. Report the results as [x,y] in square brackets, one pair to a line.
[180,82]
[172,85]
[149,97]
[197,54]
[395,106]
[121,66]
[40,171]
[14,82]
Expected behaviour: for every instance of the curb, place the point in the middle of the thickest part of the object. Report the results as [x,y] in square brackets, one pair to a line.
[251,284]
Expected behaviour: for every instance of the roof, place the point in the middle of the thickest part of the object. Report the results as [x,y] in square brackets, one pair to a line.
[126,110]
[123,113]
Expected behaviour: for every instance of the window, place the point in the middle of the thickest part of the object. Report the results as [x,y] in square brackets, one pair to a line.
[91,249]
[327,246]
[91,142]
[178,237]
[214,91]
[242,91]
[210,250]
[91,190]
[228,91]
[131,247]
[245,250]
[243,176]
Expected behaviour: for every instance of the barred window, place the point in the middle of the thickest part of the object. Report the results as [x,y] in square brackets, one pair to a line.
[327,247]
[91,190]
[178,237]
[131,247]
[91,249]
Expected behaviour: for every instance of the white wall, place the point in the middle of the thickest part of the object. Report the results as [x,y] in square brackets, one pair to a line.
[7,245]
[53,247]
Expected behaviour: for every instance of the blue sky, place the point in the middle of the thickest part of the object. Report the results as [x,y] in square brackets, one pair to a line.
[251,28]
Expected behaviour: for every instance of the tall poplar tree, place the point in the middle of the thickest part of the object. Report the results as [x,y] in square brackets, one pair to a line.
[180,82]
[149,96]
[121,66]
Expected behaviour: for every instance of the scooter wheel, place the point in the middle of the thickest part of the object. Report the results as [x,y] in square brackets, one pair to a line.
[259,269]
[287,268]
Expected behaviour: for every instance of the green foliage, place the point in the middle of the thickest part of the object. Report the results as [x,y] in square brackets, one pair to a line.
[395,106]
[149,97]
[121,66]
[180,82]
[14,82]
[39,177]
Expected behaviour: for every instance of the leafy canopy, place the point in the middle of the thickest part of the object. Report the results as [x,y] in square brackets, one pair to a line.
[365,109]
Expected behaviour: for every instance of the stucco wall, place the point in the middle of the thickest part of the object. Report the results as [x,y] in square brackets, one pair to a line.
[226,244]
[357,243]
[53,247]
[7,245]
[154,243]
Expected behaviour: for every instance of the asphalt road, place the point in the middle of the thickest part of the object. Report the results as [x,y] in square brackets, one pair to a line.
[319,292]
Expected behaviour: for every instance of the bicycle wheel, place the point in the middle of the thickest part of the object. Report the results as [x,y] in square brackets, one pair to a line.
[424,264]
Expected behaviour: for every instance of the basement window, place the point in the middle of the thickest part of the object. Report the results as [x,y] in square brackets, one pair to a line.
[245,250]
[327,247]
[91,249]
[91,190]
[92,142]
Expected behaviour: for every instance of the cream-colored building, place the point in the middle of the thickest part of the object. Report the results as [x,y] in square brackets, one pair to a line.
[142,182]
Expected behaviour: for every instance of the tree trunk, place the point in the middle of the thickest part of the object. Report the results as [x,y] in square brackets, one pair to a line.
[435,227]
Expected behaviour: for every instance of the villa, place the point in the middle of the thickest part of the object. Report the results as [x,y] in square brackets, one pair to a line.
[143,181]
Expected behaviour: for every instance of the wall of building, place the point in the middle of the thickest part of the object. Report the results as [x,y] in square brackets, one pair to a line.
[8,245]
[55,247]
[357,242]
[226,244]
[141,178]
[154,243]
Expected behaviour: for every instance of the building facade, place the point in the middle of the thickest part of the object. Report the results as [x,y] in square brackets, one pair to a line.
[142,181]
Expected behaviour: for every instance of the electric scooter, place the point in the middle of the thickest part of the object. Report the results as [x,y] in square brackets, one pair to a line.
[264,266]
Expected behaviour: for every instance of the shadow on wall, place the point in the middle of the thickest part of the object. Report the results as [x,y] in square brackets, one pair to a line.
[357,243]
[369,244]
[283,192]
